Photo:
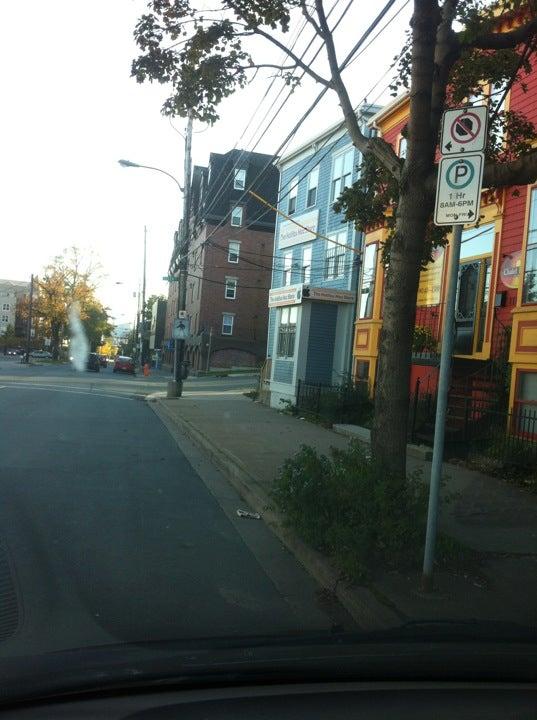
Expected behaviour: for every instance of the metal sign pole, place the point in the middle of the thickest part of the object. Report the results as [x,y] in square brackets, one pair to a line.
[441,410]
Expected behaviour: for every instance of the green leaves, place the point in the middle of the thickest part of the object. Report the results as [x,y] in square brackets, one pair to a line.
[200,52]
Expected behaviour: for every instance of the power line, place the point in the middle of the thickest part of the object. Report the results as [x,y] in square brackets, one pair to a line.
[293,132]
[276,113]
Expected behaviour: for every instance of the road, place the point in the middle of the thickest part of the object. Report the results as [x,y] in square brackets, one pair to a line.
[112,535]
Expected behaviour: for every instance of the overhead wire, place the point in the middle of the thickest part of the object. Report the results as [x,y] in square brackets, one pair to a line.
[295,129]
[221,190]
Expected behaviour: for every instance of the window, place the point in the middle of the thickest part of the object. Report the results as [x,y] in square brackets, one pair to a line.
[529,285]
[227,323]
[287,332]
[236,216]
[477,241]
[231,288]
[334,266]
[287,268]
[341,173]
[240,179]
[5,306]
[403,142]
[5,318]
[525,410]
[313,182]
[367,290]
[306,264]
[293,192]
[233,249]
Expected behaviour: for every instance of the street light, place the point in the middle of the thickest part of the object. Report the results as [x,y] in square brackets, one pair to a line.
[130,164]
[175,387]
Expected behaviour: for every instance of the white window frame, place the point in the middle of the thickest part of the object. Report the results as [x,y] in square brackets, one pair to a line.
[306,263]
[313,185]
[287,268]
[230,252]
[344,179]
[231,285]
[237,213]
[293,195]
[287,327]
[239,181]
[230,325]
[403,147]
[336,258]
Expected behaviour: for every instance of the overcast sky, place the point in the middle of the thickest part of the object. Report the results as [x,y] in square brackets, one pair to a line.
[70,110]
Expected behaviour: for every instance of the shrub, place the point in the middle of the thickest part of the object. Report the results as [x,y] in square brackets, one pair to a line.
[346,506]
[423,340]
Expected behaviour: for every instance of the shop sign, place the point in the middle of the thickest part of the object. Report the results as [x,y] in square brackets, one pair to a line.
[292,234]
[510,270]
[328,295]
[431,280]
[288,295]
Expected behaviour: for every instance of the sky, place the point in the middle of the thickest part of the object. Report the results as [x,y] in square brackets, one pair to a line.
[70,111]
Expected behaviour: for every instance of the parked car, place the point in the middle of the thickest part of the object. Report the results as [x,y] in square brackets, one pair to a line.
[103,361]
[92,363]
[42,354]
[124,364]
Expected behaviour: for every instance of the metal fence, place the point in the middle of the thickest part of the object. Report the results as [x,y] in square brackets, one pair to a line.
[478,426]
[335,403]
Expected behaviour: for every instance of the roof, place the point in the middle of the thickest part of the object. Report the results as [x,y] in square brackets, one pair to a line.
[387,109]
[322,135]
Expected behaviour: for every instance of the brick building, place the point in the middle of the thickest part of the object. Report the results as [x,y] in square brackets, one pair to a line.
[496,302]
[229,261]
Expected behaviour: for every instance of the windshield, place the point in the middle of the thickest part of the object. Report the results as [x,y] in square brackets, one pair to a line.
[268,367]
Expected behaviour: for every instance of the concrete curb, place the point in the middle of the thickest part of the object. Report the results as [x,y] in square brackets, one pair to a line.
[359,601]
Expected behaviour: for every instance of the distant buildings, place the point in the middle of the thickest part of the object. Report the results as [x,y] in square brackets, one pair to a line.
[158,318]
[229,261]
[12,295]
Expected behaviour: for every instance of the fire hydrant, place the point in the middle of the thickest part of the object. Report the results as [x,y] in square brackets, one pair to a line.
[147,371]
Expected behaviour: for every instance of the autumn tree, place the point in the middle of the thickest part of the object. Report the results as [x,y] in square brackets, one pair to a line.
[453,50]
[69,278]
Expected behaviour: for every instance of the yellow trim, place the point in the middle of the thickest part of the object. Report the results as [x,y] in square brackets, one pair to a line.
[515,369]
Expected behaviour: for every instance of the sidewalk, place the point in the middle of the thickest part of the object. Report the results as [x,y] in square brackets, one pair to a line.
[249,442]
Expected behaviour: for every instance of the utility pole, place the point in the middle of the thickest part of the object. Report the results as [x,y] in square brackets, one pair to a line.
[29,328]
[142,324]
[209,348]
[179,353]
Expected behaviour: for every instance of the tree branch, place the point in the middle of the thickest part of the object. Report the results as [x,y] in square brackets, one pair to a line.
[522,171]
[501,41]
[446,54]
[382,150]
[309,18]
[318,78]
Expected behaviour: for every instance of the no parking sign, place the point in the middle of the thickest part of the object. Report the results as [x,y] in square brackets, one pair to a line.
[464,130]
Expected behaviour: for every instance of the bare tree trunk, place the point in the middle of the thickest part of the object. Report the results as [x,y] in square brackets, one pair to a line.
[389,431]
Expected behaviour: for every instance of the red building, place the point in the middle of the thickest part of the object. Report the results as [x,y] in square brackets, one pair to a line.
[495,356]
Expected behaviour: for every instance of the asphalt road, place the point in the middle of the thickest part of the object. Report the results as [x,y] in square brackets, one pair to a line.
[113,536]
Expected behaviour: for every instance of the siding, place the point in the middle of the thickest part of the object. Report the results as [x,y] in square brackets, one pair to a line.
[329,221]
[321,342]
[271,331]
[283,371]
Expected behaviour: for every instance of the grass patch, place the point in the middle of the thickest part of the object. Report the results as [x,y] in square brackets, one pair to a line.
[351,509]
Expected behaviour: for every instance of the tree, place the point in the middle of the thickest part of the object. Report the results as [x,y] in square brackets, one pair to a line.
[69,279]
[207,55]
[96,324]
[8,338]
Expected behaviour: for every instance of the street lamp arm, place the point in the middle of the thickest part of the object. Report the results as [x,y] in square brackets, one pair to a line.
[128,163]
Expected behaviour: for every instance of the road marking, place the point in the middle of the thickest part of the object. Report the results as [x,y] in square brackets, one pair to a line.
[32,386]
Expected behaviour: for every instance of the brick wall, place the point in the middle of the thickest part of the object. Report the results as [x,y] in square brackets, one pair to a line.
[206,301]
